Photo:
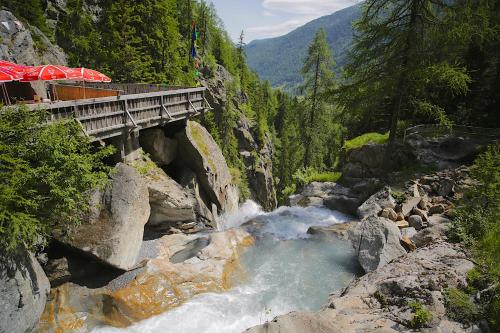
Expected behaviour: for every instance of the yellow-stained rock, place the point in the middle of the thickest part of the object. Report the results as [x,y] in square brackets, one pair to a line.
[159,287]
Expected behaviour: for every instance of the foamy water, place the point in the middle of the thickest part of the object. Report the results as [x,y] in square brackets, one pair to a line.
[285,270]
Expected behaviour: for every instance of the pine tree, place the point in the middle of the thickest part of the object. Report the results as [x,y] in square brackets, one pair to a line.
[318,75]
[394,64]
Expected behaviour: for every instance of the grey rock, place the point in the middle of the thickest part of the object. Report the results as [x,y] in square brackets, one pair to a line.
[408,232]
[416,222]
[446,187]
[169,201]
[199,152]
[374,204]
[23,292]
[436,209]
[161,148]
[340,230]
[421,213]
[203,212]
[409,204]
[113,230]
[18,45]
[376,242]
[431,235]
[437,219]
[390,214]
[342,203]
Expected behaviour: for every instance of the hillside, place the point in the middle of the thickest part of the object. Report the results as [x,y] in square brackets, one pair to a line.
[279,59]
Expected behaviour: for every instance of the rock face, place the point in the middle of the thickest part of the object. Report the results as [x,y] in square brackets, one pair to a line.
[199,152]
[23,292]
[114,228]
[18,45]
[379,301]
[261,179]
[377,242]
[161,148]
[179,267]
[257,159]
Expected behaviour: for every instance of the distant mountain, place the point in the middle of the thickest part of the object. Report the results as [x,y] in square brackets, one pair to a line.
[279,59]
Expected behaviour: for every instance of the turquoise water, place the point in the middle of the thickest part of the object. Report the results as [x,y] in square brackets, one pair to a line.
[286,270]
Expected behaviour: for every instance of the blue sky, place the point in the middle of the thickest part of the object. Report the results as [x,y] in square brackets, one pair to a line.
[270,18]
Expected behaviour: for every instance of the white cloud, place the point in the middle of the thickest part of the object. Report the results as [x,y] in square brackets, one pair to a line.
[307,7]
[280,28]
[299,12]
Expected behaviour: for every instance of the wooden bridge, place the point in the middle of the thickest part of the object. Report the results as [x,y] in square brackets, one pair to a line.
[108,117]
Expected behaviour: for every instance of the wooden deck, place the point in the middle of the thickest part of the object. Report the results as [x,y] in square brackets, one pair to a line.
[107,117]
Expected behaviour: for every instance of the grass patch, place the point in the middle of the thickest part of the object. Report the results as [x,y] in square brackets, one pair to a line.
[459,306]
[421,316]
[364,139]
[306,176]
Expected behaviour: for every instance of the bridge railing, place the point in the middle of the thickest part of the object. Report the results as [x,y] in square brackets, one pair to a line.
[432,130]
[106,117]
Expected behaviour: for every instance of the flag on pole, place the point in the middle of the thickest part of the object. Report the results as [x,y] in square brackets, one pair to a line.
[194,37]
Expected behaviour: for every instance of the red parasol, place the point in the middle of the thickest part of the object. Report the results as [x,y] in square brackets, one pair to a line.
[9,76]
[90,75]
[45,73]
[15,67]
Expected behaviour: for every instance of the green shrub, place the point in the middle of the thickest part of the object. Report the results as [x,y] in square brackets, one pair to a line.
[459,306]
[475,224]
[399,196]
[365,139]
[309,175]
[421,316]
[45,171]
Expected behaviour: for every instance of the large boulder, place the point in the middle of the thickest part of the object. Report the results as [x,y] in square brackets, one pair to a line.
[377,202]
[365,161]
[376,241]
[205,211]
[23,292]
[113,229]
[199,151]
[169,201]
[160,148]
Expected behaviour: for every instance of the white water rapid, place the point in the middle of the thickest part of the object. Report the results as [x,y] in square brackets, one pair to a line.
[285,270]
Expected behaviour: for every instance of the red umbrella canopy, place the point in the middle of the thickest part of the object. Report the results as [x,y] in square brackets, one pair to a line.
[73,73]
[8,75]
[91,75]
[45,73]
[15,67]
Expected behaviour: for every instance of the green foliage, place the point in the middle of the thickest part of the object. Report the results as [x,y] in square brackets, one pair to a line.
[421,316]
[476,225]
[45,172]
[318,74]
[305,176]
[459,306]
[400,197]
[364,139]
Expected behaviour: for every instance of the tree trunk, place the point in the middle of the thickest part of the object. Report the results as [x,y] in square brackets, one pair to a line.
[402,83]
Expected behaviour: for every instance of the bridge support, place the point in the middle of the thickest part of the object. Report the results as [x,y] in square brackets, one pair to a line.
[127,145]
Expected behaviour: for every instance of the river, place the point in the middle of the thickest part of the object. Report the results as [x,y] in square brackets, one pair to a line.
[285,270]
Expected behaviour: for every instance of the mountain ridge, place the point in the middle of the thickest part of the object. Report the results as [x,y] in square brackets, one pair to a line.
[279,59]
